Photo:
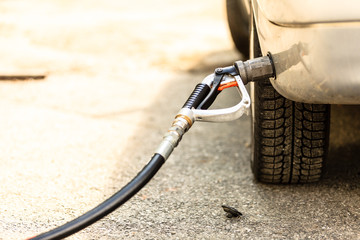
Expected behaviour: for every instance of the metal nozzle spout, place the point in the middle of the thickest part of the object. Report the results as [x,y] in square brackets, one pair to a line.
[256,69]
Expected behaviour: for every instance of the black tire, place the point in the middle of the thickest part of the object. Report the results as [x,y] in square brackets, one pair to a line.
[238,21]
[289,139]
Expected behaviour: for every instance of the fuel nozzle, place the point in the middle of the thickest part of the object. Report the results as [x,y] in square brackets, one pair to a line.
[252,70]
[205,93]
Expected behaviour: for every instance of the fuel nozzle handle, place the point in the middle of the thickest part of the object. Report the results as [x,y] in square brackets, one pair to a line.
[197,96]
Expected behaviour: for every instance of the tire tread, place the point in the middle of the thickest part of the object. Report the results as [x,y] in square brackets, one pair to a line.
[290,138]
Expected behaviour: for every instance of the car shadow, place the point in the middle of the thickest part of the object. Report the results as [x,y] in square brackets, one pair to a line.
[344,150]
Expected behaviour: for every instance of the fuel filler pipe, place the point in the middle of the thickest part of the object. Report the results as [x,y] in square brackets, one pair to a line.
[194,109]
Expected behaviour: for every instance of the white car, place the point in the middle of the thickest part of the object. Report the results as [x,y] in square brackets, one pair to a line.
[315,48]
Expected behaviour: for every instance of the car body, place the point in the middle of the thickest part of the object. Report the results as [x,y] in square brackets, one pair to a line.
[315,47]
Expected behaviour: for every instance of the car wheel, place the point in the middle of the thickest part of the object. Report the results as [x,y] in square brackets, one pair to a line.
[289,139]
[238,21]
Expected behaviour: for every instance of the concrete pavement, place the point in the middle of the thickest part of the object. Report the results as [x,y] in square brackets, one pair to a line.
[117,73]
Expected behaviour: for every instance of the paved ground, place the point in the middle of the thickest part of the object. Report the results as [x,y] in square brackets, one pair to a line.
[117,72]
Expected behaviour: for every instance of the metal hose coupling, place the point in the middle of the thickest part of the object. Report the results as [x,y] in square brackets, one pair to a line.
[182,123]
[256,69]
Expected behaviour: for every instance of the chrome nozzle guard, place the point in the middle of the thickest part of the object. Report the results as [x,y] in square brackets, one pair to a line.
[226,114]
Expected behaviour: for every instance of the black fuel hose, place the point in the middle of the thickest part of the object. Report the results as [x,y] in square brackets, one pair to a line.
[108,205]
[201,98]
[197,96]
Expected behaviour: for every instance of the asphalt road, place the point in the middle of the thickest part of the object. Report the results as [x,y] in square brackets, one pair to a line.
[117,73]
